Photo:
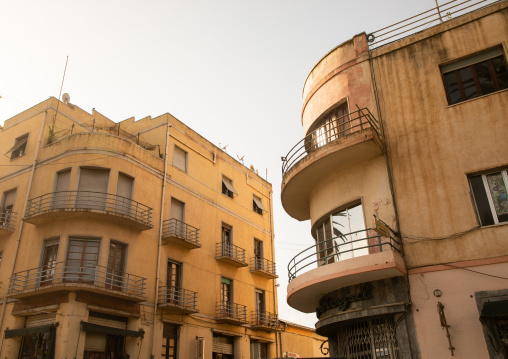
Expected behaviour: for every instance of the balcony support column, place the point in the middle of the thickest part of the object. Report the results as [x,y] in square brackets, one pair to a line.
[20,231]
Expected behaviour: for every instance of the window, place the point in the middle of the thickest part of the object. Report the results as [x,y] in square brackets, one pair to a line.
[92,188]
[180,159]
[177,212]
[258,254]
[490,196]
[6,206]
[260,307]
[1,255]
[226,294]
[331,126]
[82,260]
[340,235]
[48,265]
[173,282]
[19,147]
[116,265]
[227,187]
[257,205]
[169,341]
[124,189]
[475,76]
[227,240]
[61,198]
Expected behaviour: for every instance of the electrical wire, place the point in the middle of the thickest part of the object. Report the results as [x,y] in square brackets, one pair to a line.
[451,236]
[474,271]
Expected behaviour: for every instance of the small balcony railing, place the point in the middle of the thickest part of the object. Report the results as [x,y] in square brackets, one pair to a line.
[232,312]
[263,267]
[87,200]
[7,219]
[264,320]
[340,127]
[66,274]
[182,299]
[345,246]
[231,254]
[174,228]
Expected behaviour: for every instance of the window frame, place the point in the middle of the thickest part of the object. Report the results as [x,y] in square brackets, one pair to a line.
[227,187]
[19,147]
[186,159]
[258,208]
[470,62]
[475,196]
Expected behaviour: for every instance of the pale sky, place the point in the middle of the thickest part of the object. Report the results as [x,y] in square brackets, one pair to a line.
[232,70]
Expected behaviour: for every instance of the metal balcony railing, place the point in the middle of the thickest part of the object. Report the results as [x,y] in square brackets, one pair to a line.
[333,130]
[346,246]
[225,250]
[440,13]
[232,311]
[7,219]
[68,273]
[264,319]
[178,229]
[262,265]
[87,200]
[179,297]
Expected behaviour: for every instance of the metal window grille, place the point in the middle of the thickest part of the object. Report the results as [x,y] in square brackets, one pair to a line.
[369,339]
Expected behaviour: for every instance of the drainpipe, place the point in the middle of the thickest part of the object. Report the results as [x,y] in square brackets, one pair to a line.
[20,232]
[273,261]
[160,242]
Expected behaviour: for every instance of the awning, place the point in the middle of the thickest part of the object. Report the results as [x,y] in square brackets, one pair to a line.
[11,333]
[259,204]
[18,145]
[229,185]
[95,328]
[495,309]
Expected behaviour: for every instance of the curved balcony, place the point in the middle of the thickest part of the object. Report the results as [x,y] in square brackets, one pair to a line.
[7,220]
[180,233]
[231,313]
[263,267]
[231,254]
[68,204]
[66,277]
[348,259]
[348,139]
[265,321]
[177,300]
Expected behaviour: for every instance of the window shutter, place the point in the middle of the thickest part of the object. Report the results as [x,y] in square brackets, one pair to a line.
[180,159]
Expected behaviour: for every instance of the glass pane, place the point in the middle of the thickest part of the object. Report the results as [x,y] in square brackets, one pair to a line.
[452,87]
[498,193]
[470,90]
[501,72]
[485,78]
[482,203]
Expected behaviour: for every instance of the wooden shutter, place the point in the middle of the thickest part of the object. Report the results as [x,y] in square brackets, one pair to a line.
[180,159]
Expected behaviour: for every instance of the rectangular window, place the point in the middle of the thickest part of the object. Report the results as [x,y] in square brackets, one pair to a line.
[7,204]
[19,147]
[258,254]
[257,205]
[116,265]
[227,240]
[226,292]
[174,283]
[490,196]
[82,260]
[169,341]
[92,188]
[476,75]
[180,159]
[227,187]
[124,189]
[177,211]
[62,182]
[48,265]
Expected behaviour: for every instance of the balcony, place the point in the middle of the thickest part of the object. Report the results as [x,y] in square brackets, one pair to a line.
[72,204]
[348,259]
[180,233]
[263,267]
[348,139]
[64,277]
[230,254]
[7,220]
[231,313]
[177,300]
[265,321]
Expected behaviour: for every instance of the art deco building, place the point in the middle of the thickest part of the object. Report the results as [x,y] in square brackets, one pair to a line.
[410,130]
[136,238]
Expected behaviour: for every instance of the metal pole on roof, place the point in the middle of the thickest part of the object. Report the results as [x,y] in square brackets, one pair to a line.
[438,12]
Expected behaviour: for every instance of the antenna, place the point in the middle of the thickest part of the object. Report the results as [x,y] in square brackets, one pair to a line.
[240,159]
[66,98]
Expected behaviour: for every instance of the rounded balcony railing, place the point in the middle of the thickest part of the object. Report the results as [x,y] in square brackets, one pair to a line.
[88,200]
[345,246]
[340,127]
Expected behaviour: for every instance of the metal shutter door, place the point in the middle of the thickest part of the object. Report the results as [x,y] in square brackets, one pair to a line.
[222,344]
[40,320]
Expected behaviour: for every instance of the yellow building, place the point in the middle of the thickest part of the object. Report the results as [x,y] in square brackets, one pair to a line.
[137,238]
[403,175]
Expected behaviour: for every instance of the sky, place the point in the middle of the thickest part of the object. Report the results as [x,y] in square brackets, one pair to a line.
[232,70]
